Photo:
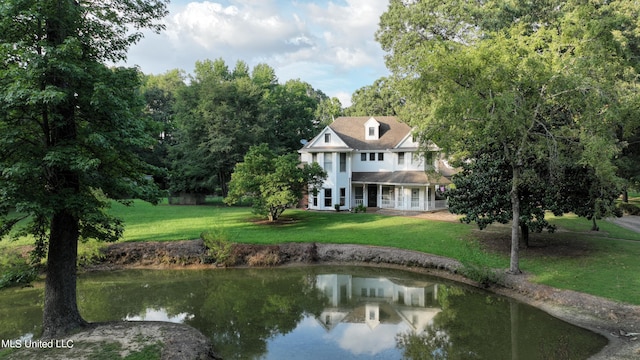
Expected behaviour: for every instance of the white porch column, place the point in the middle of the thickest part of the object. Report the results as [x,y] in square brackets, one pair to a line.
[426,197]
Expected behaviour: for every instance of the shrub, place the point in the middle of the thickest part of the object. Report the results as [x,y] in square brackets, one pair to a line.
[263,258]
[483,275]
[219,246]
[14,271]
[90,252]
[630,209]
[360,208]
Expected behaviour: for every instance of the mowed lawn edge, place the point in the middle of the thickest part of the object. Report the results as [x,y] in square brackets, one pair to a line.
[604,270]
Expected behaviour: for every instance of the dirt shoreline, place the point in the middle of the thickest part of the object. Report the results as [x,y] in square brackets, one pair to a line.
[611,319]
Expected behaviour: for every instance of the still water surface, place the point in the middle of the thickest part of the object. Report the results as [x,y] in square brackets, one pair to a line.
[318,313]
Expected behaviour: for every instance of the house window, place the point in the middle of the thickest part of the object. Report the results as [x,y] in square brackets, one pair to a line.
[372,131]
[315,201]
[372,156]
[363,156]
[327,198]
[328,164]
[400,158]
[314,158]
[343,194]
[380,156]
[327,137]
[343,162]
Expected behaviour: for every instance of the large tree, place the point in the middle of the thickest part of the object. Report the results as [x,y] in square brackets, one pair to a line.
[69,129]
[530,77]
[482,194]
[222,113]
[160,93]
[379,99]
[218,117]
[272,182]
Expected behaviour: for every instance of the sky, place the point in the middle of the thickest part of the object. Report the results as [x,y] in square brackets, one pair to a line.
[328,44]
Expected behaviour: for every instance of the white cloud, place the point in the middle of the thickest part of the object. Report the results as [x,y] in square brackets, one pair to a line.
[329,44]
[246,30]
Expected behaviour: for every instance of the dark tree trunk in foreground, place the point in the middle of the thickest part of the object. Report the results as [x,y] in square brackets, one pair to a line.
[61,313]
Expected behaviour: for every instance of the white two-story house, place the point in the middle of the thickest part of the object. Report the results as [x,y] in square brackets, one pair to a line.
[375,162]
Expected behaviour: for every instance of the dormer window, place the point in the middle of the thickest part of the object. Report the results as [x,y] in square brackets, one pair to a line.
[372,129]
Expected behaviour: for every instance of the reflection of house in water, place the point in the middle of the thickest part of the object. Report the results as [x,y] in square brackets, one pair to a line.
[375,301]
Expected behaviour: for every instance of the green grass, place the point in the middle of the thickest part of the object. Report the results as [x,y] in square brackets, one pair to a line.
[607,268]
[576,224]
[603,263]
[164,223]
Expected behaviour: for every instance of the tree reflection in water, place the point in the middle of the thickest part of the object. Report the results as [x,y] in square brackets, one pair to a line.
[318,313]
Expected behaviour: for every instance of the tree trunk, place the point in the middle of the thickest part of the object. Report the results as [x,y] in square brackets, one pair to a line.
[514,266]
[525,235]
[61,313]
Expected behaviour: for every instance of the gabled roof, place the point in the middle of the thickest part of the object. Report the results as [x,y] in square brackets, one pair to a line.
[317,143]
[351,130]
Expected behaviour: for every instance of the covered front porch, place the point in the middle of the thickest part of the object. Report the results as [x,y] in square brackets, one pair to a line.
[406,190]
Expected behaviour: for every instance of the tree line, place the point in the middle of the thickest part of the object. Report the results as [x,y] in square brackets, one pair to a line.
[210,119]
[207,121]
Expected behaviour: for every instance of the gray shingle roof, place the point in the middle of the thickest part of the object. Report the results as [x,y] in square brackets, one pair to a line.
[352,131]
[399,178]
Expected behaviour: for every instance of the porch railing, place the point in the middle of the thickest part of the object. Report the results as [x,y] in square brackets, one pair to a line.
[389,203]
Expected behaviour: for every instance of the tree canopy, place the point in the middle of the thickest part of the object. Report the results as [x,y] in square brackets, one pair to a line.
[70,129]
[222,113]
[273,183]
[530,79]
[379,99]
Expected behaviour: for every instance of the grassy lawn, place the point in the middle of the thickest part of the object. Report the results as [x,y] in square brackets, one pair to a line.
[165,223]
[603,263]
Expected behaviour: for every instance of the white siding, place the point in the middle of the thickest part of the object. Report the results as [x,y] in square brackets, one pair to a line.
[368,165]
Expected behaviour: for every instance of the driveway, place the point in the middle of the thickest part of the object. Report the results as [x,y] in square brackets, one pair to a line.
[631,222]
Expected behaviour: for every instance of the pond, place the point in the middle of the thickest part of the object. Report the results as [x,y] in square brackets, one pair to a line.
[318,313]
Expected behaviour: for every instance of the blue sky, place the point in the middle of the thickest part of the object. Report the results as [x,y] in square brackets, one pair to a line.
[329,44]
